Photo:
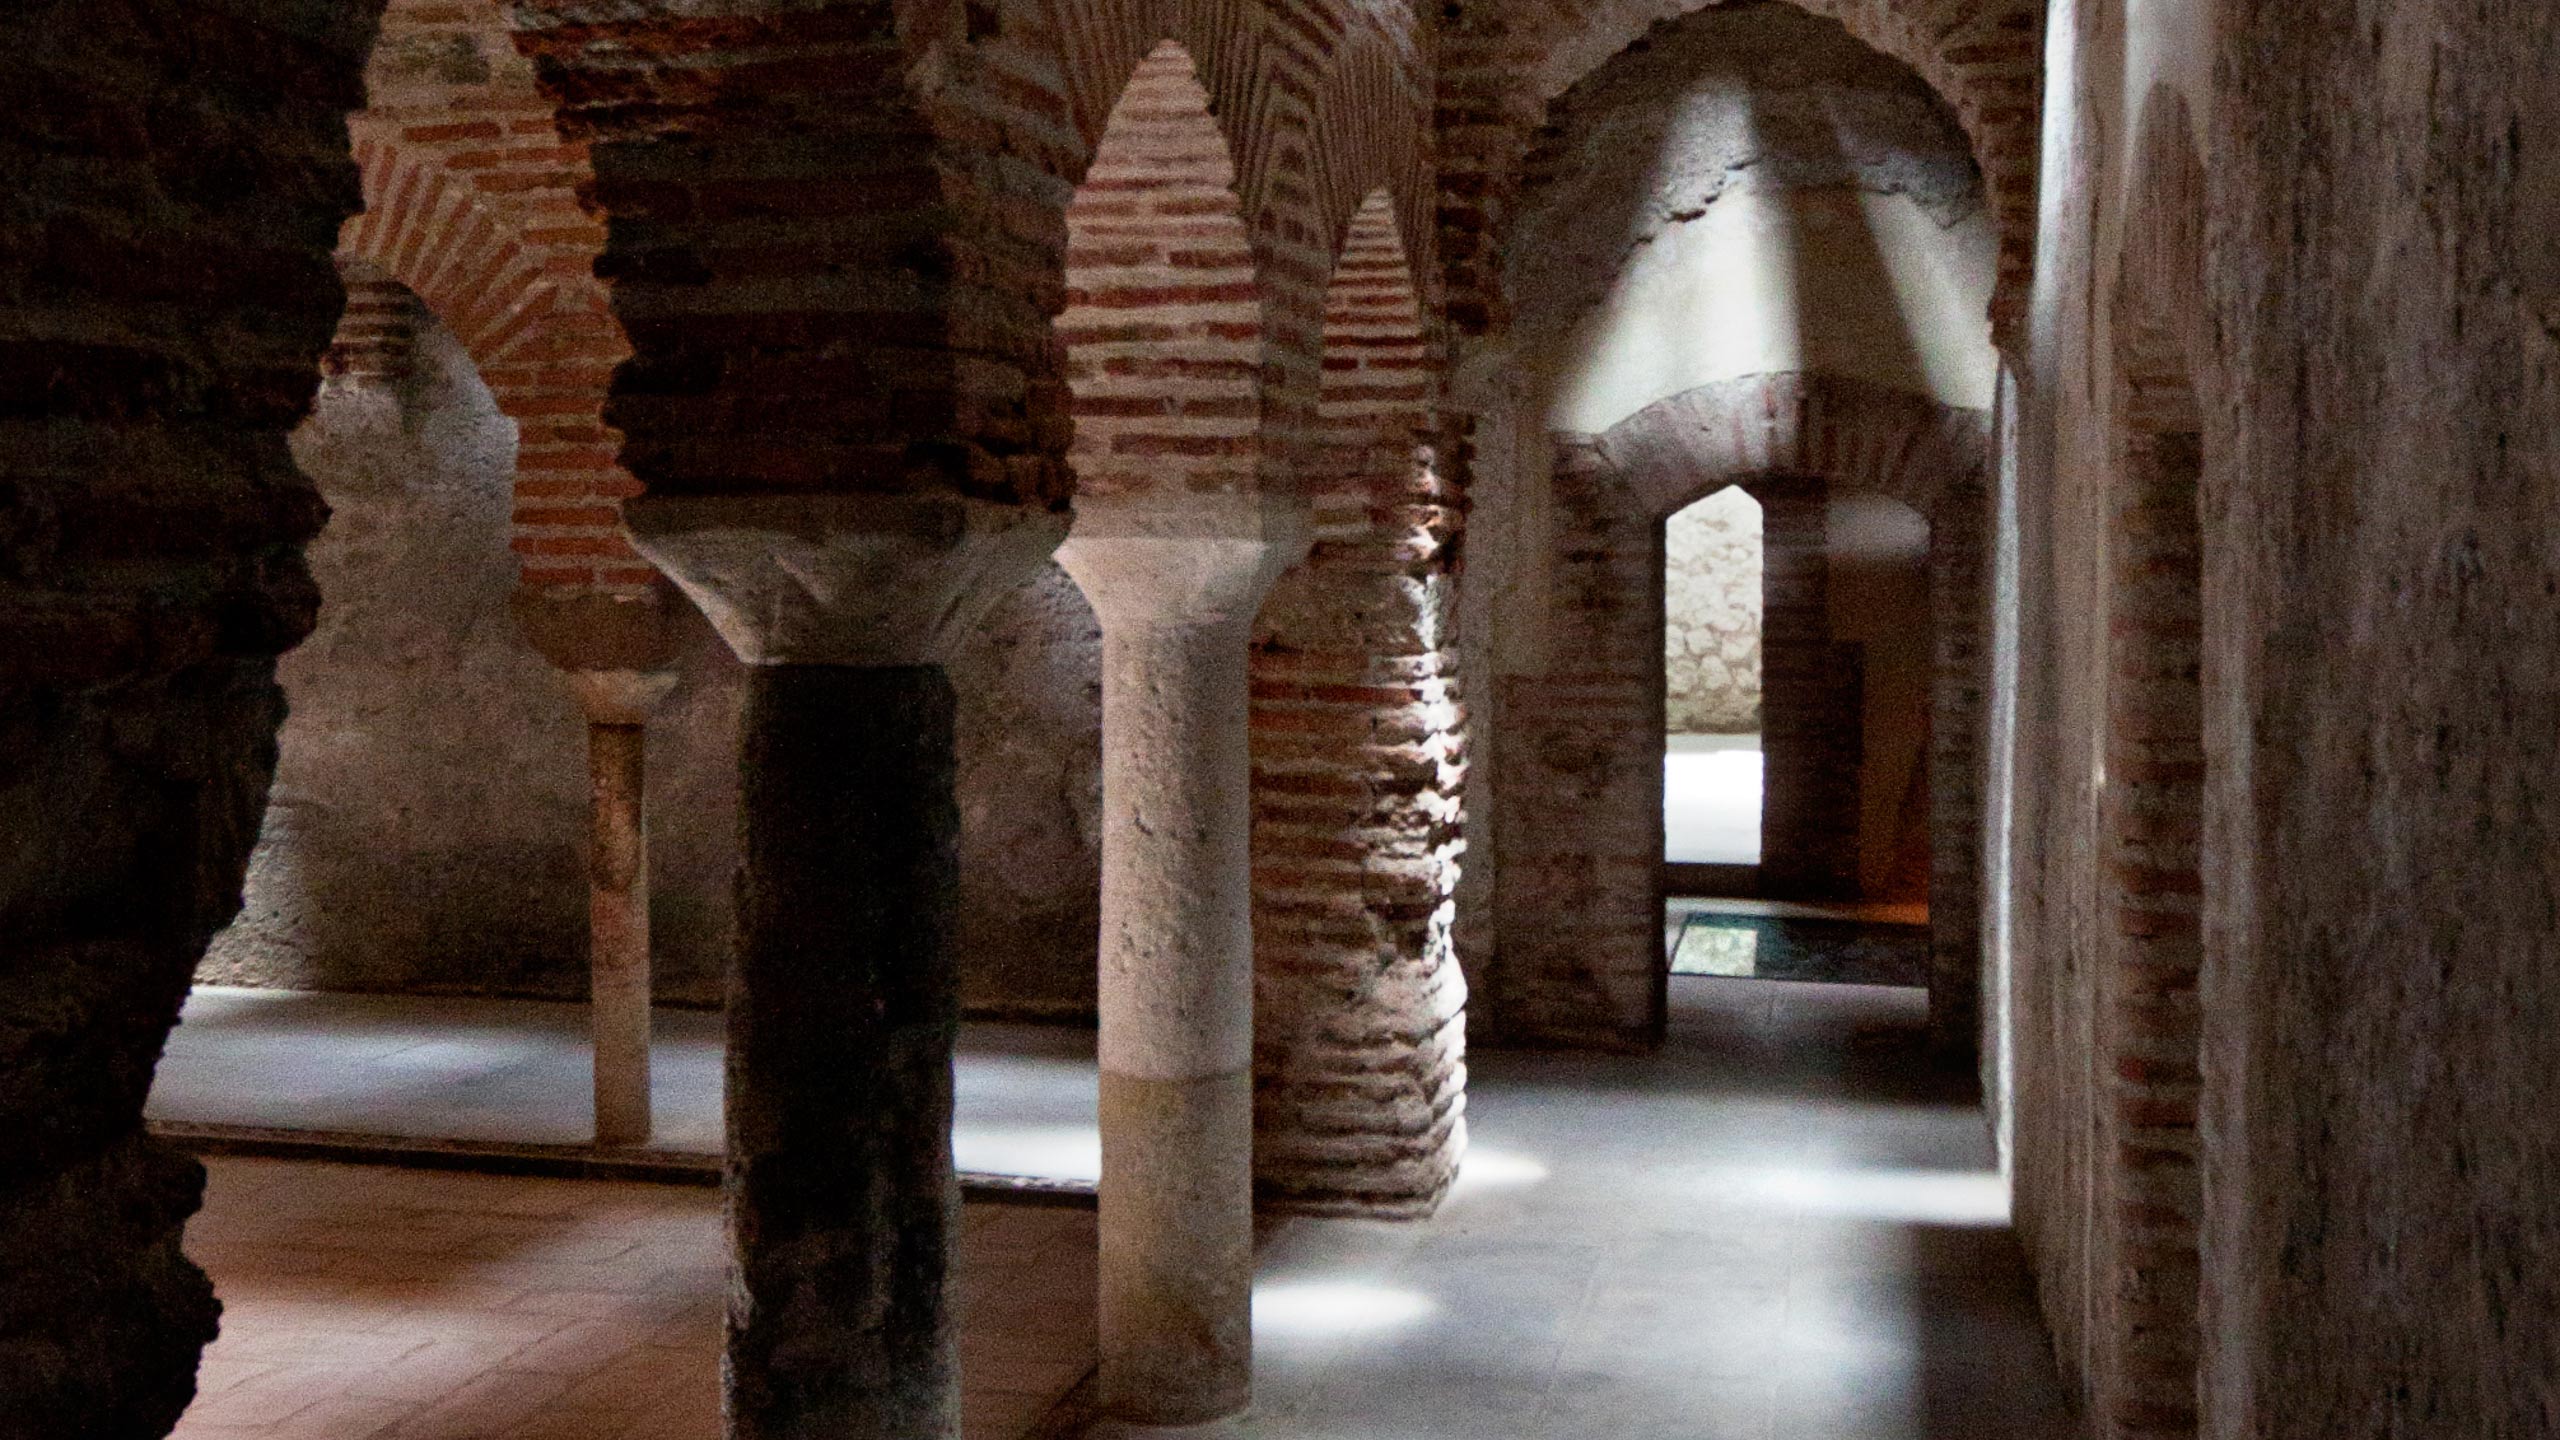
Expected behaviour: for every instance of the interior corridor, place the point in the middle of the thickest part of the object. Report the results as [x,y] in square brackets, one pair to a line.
[1782,1225]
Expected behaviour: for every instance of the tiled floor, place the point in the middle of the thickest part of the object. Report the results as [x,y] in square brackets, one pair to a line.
[361,1302]
[1782,1227]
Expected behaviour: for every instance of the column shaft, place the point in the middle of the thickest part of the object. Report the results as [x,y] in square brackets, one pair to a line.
[618,930]
[1177,1039]
[843,1010]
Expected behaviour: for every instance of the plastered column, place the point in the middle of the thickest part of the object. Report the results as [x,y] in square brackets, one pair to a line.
[1176,583]
[843,999]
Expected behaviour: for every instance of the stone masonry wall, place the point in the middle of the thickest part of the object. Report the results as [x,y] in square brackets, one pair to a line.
[1711,599]
[2332,229]
[429,823]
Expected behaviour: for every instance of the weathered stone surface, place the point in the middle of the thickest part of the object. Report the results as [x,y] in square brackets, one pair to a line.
[843,1009]
[1712,558]
[429,824]
[1176,580]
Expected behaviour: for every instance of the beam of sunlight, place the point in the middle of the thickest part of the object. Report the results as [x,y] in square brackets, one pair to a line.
[1486,1168]
[1039,1152]
[1711,799]
[1973,1198]
[1321,1308]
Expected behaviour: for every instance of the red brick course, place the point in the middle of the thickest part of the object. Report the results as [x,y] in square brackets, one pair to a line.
[472,202]
[1359,754]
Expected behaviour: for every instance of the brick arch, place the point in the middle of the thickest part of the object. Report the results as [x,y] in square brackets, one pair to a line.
[1856,434]
[990,109]
[1359,755]
[2146,1077]
[1504,61]
[1368,98]
[470,201]
[1163,328]
[1104,46]
[1578,918]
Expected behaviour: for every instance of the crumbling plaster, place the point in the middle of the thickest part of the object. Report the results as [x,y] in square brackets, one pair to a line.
[428,827]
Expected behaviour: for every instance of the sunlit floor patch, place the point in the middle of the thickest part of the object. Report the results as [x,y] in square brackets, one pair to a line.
[1706,948]
[1487,1168]
[1316,1309]
[1917,1197]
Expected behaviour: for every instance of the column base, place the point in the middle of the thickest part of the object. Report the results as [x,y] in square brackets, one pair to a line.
[1177,1248]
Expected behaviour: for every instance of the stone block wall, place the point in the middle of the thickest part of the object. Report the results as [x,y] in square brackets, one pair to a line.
[1712,572]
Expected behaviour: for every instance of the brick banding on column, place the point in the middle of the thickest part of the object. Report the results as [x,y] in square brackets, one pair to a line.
[377,337]
[1359,756]
[2147,1077]
[1578,943]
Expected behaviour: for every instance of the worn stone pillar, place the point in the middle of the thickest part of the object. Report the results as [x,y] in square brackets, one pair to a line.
[617,705]
[843,1002]
[617,655]
[1176,582]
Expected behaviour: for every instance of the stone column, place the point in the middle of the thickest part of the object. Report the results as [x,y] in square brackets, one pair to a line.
[616,653]
[1176,582]
[618,704]
[843,1001]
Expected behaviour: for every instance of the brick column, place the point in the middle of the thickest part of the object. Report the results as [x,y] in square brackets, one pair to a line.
[170,295]
[1812,726]
[843,1002]
[1176,582]
[1579,934]
[2149,1021]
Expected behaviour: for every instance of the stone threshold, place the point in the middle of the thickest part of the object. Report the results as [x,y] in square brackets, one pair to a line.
[547,1161]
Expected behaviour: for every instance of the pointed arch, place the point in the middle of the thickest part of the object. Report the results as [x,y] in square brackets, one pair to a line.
[1163,327]
[1359,753]
[1579,921]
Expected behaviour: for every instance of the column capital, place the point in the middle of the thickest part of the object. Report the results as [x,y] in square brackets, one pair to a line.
[1156,560]
[849,580]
